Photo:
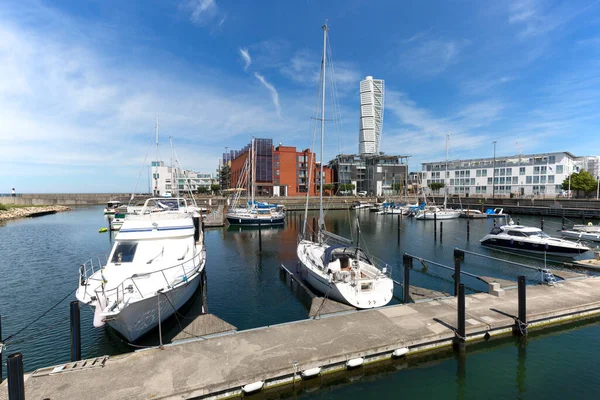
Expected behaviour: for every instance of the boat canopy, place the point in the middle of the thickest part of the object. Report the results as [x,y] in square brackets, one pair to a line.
[333,253]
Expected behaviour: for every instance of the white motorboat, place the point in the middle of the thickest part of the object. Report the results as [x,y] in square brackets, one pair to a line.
[111,207]
[583,232]
[359,205]
[531,239]
[342,272]
[591,228]
[155,264]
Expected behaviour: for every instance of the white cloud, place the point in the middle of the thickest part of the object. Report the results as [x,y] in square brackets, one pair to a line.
[431,56]
[537,17]
[484,85]
[203,12]
[272,90]
[246,57]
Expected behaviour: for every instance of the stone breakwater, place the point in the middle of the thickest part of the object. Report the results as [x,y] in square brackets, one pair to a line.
[24,212]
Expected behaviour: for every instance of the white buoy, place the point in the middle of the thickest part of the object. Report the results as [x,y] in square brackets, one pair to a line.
[400,352]
[253,387]
[309,373]
[355,362]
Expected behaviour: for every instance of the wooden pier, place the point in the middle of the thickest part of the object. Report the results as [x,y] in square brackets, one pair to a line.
[219,366]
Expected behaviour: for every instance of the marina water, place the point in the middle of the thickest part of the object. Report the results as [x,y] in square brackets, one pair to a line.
[39,267]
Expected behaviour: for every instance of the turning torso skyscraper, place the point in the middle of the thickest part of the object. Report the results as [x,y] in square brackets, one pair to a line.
[371,115]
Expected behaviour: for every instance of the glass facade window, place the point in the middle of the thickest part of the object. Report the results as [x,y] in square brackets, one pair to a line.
[484,172]
[472,181]
[528,180]
[502,181]
[522,171]
[515,180]
[489,181]
[495,181]
[550,178]
[508,171]
[552,159]
[543,179]
[478,173]
[559,169]
[536,179]
[536,170]
[544,170]
[502,171]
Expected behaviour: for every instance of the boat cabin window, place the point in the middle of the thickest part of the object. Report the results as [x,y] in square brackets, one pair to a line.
[517,233]
[496,230]
[124,252]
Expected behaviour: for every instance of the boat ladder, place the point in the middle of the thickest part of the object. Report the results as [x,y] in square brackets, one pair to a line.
[548,277]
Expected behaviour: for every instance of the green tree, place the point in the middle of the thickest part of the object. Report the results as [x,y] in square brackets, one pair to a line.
[225,177]
[328,187]
[202,190]
[215,187]
[397,187]
[436,186]
[580,181]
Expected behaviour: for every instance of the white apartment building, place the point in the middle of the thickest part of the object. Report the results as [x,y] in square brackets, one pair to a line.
[371,115]
[521,175]
[172,179]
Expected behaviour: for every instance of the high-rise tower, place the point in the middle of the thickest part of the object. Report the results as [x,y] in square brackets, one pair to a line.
[371,115]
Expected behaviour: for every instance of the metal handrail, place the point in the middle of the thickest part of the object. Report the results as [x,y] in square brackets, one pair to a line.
[125,285]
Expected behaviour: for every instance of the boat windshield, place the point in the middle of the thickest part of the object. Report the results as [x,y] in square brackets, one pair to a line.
[540,233]
[124,252]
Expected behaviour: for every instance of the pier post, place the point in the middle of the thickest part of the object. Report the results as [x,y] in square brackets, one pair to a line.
[542,224]
[434,226]
[441,230]
[459,256]
[521,323]
[259,236]
[459,340]
[562,223]
[75,331]
[407,263]
[468,228]
[399,223]
[582,218]
[16,384]
[518,221]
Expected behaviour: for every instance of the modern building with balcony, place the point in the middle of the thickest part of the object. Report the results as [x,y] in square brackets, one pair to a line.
[172,179]
[519,175]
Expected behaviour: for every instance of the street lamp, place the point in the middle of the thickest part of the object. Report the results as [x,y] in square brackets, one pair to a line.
[494,173]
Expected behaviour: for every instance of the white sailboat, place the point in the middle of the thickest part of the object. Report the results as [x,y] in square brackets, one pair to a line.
[435,213]
[340,270]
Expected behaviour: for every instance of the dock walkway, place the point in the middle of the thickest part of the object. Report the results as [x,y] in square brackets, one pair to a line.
[220,366]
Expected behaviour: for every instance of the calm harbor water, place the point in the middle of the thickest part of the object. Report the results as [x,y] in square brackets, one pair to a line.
[40,258]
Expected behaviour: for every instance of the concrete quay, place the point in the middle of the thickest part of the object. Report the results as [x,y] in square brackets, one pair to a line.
[219,366]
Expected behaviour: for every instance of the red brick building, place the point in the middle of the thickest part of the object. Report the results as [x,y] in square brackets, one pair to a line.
[288,174]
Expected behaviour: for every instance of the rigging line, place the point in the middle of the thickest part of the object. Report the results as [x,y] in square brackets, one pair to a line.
[177,318]
[40,317]
[185,178]
[140,174]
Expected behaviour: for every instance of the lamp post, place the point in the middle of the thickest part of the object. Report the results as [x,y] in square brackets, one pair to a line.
[494,173]
[597,186]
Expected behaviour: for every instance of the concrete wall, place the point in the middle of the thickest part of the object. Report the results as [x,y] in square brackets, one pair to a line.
[66,199]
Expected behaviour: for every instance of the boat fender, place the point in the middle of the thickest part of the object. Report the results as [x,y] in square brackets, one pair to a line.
[355,362]
[102,230]
[589,224]
[253,387]
[99,321]
[400,352]
[310,373]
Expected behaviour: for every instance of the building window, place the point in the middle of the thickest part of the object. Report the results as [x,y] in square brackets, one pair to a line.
[478,173]
[550,178]
[552,159]
[495,181]
[508,171]
[544,170]
[468,173]
[536,179]
[502,171]
[536,170]
[502,181]
[522,171]
[528,180]
[472,181]
[489,181]
[515,180]
[559,169]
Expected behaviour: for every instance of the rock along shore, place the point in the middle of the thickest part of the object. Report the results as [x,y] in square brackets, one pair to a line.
[24,212]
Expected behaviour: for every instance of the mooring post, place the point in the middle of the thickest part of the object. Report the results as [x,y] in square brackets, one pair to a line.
[542,224]
[518,221]
[434,226]
[407,263]
[399,222]
[16,384]
[441,230]
[314,230]
[521,322]
[459,256]
[75,331]
[562,223]
[459,340]
[582,218]
[259,236]
[468,228]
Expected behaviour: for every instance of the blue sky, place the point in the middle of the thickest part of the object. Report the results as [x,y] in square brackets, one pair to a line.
[81,82]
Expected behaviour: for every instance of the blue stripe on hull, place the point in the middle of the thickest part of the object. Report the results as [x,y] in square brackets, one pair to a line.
[254,221]
[531,247]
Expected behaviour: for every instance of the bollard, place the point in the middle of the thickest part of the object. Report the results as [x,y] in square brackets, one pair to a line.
[16,384]
[259,236]
[441,230]
[434,226]
[562,224]
[314,230]
[542,224]
[468,228]
[75,331]
[582,218]
[518,221]
[459,256]
[521,323]
[459,340]
[407,263]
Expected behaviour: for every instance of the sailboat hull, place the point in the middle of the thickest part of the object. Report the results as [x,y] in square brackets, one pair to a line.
[252,221]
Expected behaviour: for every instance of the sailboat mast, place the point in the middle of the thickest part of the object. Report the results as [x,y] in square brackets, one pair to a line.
[156,166]
[446,172]
[172,169]
[321,218]
[253,175]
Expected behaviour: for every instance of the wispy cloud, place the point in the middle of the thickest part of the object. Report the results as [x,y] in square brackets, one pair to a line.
[246,57]
[272,90]
[416,36]
[430,57]
[483,86]
[203,12]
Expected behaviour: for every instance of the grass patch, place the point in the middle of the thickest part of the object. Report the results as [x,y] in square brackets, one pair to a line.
[6,207]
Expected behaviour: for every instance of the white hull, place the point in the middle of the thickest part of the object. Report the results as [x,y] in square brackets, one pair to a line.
[441,215]
[594,237]
[343,292]
[141,317]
